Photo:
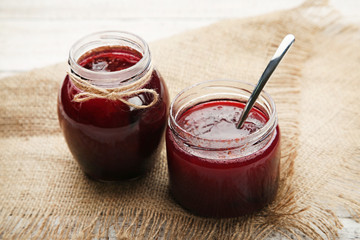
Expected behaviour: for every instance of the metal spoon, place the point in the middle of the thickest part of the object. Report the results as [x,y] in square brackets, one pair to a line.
[279,54]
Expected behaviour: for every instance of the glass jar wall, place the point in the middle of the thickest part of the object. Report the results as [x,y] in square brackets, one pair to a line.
[215,169]
[113,106]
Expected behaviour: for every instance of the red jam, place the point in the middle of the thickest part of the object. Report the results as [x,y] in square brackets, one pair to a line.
[110,59]
[109,139]
[226,182]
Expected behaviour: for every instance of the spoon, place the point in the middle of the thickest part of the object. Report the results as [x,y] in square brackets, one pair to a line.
[279,54]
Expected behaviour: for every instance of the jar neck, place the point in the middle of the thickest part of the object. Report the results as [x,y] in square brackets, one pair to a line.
[109,39]
[221,90]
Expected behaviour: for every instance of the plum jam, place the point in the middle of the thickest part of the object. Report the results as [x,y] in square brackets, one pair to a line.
[215,169]
[113,106]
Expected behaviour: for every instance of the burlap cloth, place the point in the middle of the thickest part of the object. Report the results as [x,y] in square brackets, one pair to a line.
[44,194]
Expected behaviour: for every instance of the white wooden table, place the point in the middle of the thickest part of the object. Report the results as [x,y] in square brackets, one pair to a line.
[38,33]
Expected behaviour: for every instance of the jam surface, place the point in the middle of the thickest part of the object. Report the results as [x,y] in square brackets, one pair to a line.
[109,139]
[217,120]
[212,186]
[110,59]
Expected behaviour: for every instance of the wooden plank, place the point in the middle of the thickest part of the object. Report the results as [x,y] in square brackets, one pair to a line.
[8,73]
[31,44]
[122,9]
[349,9]
[351,229]
[94,9]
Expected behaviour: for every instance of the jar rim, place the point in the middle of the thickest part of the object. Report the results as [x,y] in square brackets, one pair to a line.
[223,144]
[98,38]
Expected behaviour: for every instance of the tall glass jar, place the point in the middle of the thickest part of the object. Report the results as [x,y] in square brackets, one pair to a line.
[113,106]
[215,169]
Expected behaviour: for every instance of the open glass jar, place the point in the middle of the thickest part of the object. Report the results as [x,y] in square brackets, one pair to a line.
[113,106]
[215,169]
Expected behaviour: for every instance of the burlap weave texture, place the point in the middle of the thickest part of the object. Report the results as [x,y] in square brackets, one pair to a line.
[44,194]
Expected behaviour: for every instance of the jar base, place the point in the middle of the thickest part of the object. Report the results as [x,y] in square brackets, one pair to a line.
[114,180]
[221,214]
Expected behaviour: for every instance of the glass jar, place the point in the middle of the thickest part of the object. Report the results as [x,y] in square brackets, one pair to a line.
[113,106]
[215,169]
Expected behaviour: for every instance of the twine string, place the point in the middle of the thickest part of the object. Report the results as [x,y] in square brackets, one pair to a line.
[122,93]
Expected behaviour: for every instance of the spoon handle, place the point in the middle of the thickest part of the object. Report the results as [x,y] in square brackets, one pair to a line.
[279,54]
